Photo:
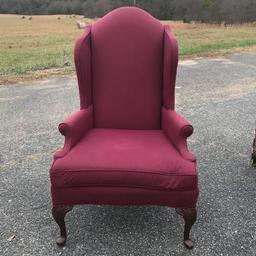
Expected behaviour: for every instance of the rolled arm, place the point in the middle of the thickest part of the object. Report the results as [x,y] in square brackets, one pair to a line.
[73,128]
[177,128]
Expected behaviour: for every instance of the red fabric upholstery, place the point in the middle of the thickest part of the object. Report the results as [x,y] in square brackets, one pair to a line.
[125,158]
[73,128]
[126,145]
[123,196]
[177,128]
[169,68]
[127,50]
[83,64]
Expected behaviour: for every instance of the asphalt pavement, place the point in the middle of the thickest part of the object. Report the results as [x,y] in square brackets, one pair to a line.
[217,95]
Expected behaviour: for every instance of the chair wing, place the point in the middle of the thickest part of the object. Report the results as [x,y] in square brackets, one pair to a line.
[83,63]
[170,63]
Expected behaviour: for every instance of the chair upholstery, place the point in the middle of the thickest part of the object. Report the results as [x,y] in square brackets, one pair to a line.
[129,158]
[127,144]
[127,69]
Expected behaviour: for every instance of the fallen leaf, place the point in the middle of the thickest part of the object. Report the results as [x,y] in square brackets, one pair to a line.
[11,238]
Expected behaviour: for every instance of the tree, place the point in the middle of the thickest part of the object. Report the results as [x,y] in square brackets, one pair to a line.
[230,11]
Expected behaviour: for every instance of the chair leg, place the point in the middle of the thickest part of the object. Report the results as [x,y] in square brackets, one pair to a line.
[189,216]
[59,214]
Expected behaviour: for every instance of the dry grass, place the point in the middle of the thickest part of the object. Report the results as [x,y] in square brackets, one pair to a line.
[41,43]
[208,39]
[46,42]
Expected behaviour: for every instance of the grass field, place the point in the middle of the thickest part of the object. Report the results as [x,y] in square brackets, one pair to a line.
[46,42]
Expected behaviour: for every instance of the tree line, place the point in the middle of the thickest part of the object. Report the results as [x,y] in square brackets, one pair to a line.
[214,11]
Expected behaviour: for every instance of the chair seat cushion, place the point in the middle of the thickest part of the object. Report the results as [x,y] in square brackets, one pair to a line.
[124,158]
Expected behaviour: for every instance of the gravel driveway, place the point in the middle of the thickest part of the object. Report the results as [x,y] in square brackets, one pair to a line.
[217,95]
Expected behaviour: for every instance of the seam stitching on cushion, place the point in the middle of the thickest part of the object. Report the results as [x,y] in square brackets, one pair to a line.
[120,170]
[126,186]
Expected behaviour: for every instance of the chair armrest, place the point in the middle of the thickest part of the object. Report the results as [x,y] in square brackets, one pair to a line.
[73,128]
[177,128]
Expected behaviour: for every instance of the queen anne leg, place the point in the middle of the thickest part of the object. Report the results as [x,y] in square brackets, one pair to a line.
[59,214]
[189,215]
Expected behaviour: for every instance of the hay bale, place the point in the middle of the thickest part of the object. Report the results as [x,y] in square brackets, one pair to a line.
[66,64]
[80,24]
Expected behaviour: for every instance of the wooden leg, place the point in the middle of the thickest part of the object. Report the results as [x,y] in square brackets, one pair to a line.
[189,216]
[59,214]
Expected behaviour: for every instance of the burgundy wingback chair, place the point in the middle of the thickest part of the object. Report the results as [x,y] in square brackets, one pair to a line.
[126,145]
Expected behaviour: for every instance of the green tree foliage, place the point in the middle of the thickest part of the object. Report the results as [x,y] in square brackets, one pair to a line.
[228,11]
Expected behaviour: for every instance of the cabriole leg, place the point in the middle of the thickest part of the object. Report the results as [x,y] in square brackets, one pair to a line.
[189,216]
[59,213]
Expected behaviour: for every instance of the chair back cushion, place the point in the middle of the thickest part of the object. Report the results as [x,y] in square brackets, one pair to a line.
[127,60]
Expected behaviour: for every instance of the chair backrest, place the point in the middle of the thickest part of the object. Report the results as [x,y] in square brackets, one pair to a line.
[126,67]
[127,72]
